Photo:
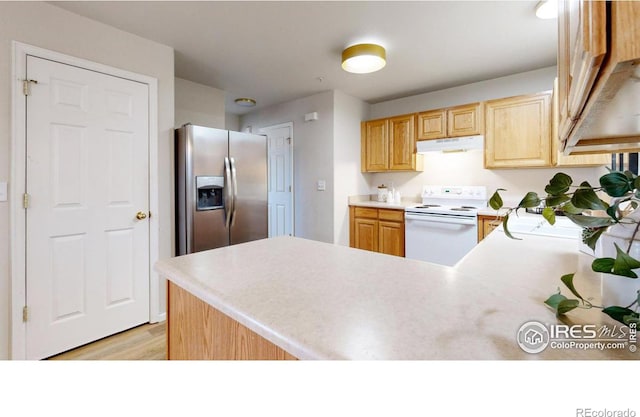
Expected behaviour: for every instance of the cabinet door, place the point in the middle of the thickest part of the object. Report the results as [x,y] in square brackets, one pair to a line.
[582,46]
[464,120]
[391,238]
[402,156]
[518,132]
[375,146]
[557,156]
[486,224]
[366,234]
[432,125]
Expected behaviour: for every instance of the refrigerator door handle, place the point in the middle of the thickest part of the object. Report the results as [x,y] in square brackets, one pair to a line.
[234,180]
[229,200]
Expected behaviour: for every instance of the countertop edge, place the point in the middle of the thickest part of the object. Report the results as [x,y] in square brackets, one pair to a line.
[208,295]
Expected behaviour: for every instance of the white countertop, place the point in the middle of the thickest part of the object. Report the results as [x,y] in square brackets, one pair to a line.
[323,301]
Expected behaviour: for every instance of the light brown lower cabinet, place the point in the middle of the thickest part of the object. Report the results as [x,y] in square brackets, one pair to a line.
[486,224]
[195,330]
[377,230]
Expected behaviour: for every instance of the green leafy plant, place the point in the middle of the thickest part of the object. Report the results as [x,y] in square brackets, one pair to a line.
[577,203]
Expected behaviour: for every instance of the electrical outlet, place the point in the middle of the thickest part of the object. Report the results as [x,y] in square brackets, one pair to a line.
[322,185]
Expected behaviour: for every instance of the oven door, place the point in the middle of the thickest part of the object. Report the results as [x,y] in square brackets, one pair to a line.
[439,238]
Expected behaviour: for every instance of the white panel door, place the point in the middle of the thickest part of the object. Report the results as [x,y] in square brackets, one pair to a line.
[280,201]
[87,272]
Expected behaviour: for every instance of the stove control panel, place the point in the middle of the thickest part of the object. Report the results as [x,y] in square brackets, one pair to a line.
[461,192]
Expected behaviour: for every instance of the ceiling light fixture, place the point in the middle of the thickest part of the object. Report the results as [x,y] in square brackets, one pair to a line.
[364,58]
[547,9]
[245,102]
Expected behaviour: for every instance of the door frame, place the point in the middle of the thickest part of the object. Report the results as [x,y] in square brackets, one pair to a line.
[17,219]
[263,131]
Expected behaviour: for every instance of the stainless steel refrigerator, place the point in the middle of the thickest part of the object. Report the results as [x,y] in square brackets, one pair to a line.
[221,188]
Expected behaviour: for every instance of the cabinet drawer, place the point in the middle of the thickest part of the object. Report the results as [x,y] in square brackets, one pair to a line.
[392,215]
[370,213]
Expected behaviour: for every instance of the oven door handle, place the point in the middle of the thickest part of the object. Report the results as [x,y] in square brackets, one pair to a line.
[436,218]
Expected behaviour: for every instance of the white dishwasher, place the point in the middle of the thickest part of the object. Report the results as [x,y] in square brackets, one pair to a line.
[445,227]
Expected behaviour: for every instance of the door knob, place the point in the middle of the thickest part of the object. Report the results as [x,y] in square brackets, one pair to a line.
[141,215]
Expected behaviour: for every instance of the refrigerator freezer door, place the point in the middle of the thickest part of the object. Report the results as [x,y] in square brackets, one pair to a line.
[200,153]
[248,153]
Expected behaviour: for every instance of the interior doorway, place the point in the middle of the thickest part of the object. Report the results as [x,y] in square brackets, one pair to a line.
[83,238]
[281,182]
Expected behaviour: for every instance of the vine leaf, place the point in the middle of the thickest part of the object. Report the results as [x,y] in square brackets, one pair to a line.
[530,200]
[506,230]
[561,304]
[622,265]
[555,300]
[568,281]
[621,314]
[616,184]
[566,306]
[556,200]
[603,265]
[559,184]
[571,209]
[496,201]
[549,215]
[584,197]
[590,236]
[590,221]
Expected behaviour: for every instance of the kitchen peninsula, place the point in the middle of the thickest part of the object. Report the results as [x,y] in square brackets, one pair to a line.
[288,298]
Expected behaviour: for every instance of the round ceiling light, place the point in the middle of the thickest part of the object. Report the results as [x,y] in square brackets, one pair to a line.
[245,102]
[364,58]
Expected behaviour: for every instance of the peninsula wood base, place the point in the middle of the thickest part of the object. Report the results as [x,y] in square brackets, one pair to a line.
[195,330]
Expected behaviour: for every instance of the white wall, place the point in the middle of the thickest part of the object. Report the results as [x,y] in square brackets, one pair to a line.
[348,113]
[511,85]
[467,168]
[313,159]
[198,104]
[50,27]
[232,122]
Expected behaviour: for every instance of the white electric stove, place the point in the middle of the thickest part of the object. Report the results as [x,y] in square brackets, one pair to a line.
[444,227]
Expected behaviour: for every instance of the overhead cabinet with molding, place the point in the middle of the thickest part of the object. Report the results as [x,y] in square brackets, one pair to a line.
[390,145]
[465,120]
[598,71]
[518,132]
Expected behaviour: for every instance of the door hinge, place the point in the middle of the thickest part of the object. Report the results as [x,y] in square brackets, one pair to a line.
[289,188]
[26,86]
[25,200]
[25,314]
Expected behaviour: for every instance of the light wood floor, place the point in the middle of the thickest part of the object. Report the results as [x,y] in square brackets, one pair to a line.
[146,342]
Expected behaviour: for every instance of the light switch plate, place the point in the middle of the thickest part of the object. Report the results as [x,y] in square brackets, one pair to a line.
[3,191]
[322,185]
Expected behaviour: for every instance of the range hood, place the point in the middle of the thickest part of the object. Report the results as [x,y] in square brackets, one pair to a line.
[463,143]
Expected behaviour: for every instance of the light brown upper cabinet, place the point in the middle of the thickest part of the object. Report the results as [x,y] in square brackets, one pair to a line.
[465,120]
[599,97]
[517,132]
[375,145]
[390,145]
